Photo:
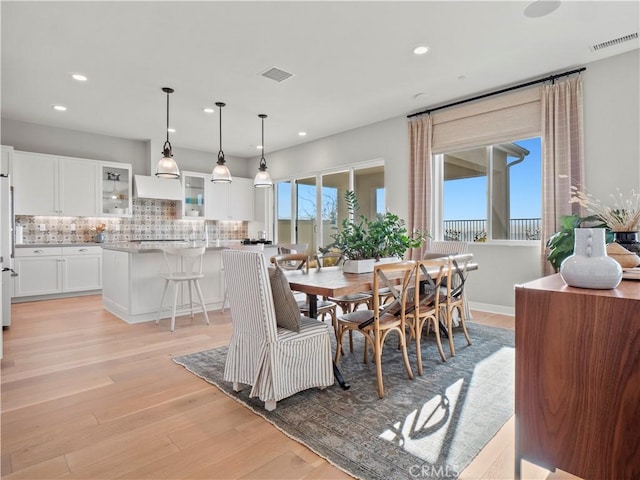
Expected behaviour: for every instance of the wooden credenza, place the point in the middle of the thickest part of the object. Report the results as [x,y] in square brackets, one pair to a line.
[577,395]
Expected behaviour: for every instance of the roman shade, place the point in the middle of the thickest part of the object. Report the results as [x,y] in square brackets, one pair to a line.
[497,119]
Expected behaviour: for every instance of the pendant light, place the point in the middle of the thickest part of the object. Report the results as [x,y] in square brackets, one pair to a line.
[167,166]
[263,179]
[220,173]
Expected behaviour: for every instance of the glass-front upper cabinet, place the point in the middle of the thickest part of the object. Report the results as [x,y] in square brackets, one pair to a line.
[193,187]
[115,188]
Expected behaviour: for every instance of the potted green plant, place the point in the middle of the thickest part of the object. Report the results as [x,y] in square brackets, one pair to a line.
[363,241]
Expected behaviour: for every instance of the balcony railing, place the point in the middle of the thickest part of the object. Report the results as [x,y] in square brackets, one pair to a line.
[476,230]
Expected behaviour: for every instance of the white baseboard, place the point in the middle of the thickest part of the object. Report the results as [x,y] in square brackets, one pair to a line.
[490,308]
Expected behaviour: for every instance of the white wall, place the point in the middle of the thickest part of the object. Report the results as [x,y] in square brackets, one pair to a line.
[387,140]
[611,154]
[30,137]
[612,125]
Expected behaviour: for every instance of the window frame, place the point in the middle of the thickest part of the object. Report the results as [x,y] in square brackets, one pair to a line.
[318,174]
[438,196]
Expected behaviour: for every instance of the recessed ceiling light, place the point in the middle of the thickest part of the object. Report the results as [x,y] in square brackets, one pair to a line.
[79,77]
[421,50]
[259,147]
[540,8]
[171,130]
[208,110]
[302,134]
[420,96]
[60,108]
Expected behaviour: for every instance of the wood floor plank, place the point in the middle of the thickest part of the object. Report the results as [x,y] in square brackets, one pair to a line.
[53,468]
[86,395]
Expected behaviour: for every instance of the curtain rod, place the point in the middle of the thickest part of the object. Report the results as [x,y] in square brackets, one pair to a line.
[550,78]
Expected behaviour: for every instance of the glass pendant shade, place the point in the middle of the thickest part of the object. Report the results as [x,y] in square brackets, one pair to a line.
[221,173]
[263,179]
[167,166]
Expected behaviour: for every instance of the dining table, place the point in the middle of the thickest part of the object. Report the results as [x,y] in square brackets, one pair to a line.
[334,282]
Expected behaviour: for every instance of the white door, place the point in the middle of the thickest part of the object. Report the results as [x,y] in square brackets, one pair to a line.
[217,201]
[35,178]
[82,272]
[241,199]
[78,187]
[38,275]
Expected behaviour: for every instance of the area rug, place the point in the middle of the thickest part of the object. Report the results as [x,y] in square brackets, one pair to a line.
[429,428]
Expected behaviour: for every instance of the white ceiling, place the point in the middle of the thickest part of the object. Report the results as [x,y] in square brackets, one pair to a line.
[352,62]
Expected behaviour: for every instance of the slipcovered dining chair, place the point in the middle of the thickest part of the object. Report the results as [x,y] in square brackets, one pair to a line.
[301,261]
[275,361]
[427,308]
[376,324]
[184,264]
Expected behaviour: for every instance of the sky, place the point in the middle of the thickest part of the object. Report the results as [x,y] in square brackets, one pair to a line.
[463,199]
[466,199]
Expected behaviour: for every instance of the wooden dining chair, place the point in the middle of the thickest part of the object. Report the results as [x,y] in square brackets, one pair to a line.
[426,306]
[378,323]
[347,303]
[301,261]
[446,248]
[455,305]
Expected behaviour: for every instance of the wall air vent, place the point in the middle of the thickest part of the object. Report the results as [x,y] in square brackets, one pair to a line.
[277,74]
[615,41]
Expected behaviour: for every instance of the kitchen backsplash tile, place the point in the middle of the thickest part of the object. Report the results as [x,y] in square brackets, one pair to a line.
[151,220]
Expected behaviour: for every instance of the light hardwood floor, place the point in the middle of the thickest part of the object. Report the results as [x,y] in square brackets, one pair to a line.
[85,395]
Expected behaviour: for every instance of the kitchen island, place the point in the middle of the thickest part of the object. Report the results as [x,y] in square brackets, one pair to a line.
[132,285]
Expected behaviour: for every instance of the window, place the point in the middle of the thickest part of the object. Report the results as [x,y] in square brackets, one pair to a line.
[492,192]
[313,212]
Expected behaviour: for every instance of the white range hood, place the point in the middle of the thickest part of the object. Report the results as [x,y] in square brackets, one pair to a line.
[154,187]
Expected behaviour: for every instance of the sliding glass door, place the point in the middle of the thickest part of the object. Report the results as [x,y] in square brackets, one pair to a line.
[310,209]
[306,213]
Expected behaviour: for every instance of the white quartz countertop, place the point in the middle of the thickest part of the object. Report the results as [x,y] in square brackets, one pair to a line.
[55,244]
[148,247]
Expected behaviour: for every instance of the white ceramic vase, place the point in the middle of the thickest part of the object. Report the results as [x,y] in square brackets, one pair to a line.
[589,266]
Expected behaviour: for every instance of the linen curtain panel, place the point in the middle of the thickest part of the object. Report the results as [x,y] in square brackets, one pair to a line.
[420,198]
[562,155]
[554,112]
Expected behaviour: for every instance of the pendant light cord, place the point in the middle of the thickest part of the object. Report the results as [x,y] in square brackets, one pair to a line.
[262,158]
[220,153]
[168,118]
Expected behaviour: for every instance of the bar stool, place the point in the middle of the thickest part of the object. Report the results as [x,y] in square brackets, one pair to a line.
[189,260]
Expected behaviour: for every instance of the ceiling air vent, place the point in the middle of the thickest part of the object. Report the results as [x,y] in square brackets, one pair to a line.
[615,41]
[277,74]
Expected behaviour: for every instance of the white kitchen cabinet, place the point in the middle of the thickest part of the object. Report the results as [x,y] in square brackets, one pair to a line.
[53,185]
[82,268]
[39,271]
[56,270]
[194,195]
[231,201]
[132,285]
[115,189]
